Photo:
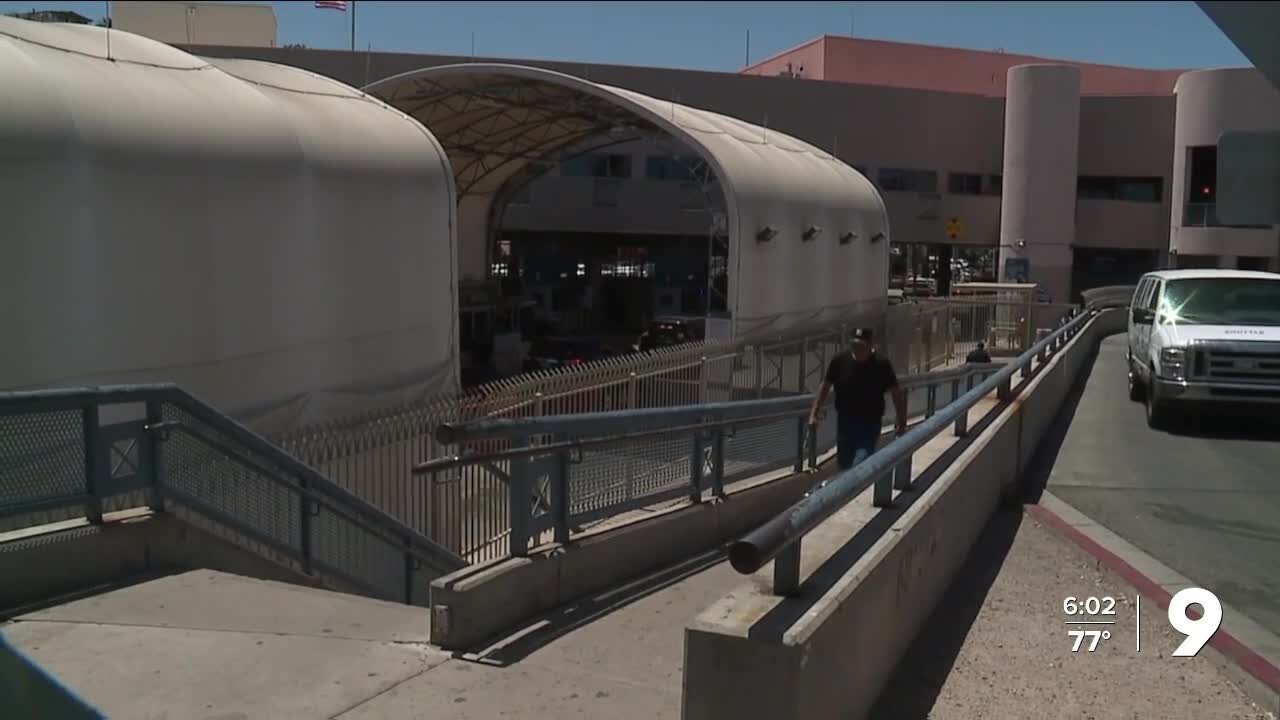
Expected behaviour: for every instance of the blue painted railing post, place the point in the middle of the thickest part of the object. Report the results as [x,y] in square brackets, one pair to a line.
[155,455]
[717,462]
[304,523]
[521,500]
[802,432]
[560,497]
[697,465]
[93,475]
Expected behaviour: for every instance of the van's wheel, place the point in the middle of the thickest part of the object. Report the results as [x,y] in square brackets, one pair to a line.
[1136,393]
[1157,414]
[1136,390]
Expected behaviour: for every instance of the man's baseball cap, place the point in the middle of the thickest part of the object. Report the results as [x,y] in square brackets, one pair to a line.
[862,333]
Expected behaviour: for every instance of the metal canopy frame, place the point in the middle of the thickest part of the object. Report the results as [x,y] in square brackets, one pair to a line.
[485,122]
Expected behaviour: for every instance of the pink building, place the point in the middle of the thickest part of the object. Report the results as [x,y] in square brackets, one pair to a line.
[923,67]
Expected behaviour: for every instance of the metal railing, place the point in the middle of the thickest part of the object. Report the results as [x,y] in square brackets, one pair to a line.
[1206,215]
[85,452]
[557,475]
[371,455]
[780,538]
[1111,296]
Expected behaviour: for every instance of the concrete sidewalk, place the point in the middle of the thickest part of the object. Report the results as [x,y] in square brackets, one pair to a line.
[998,646]
[206,644]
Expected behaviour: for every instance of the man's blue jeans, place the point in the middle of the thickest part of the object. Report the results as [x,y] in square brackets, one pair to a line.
[856,439]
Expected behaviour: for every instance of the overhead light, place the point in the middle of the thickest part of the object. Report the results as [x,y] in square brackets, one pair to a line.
[848,237]
[877,237]
[811,233]
[766,233]
[1021,243]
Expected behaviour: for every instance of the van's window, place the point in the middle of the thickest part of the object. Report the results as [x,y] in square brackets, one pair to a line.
[1140,295]
[1221,301]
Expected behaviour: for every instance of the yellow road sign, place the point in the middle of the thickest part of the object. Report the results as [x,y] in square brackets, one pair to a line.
[954,228]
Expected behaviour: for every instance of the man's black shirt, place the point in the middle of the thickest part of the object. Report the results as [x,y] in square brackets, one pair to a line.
[860,386]
[978,356]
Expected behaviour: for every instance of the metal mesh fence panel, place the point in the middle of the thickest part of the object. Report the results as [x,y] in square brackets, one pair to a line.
[241,498]
[41,459]
[758,448]
[606,480]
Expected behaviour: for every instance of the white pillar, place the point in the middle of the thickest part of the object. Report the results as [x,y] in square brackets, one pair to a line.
[1038,197]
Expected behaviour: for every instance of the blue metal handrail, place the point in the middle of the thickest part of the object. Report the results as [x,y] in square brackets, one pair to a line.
[783,533]
[617,422]
[234,441]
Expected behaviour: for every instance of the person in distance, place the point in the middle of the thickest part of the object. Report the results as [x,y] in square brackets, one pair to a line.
[860,378]
[979,354]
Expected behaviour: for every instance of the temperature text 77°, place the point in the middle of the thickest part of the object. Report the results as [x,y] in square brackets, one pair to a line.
[1093,636]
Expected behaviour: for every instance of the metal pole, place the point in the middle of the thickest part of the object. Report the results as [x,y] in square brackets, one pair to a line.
[353,26]
[109,31]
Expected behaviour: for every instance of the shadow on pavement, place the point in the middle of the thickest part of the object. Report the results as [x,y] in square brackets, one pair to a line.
[1046,455]
[553,625]
[916,683]
[920,676]
[1241,422]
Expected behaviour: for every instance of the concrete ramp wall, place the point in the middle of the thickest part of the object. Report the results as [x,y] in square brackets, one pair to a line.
[75,557]
[834,659]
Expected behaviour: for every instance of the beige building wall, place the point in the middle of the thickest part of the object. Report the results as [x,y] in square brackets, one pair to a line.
[197,23]
[1209,103]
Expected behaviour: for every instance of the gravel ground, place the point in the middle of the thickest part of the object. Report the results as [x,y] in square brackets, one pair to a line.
[998,646]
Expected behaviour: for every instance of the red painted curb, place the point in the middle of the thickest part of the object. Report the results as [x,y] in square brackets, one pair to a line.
[1224,642]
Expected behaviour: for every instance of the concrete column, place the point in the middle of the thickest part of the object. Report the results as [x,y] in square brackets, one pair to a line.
[1038,199]
[473,237]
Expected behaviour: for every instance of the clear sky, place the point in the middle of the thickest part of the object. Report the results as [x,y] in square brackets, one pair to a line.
[712,35]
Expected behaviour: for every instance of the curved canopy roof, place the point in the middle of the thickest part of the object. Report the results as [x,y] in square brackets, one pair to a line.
[113,89]
[791,208]
[493,119]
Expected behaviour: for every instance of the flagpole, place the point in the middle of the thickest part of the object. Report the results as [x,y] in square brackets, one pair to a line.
[353,25]
[108,4]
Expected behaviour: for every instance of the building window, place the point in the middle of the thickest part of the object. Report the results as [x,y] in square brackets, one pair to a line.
[1128,189]
[994,185]
[577,166]
[627,269]
[613,166]
[679,169]
[1202,174]
[617,167]
[898,180]
[964,183]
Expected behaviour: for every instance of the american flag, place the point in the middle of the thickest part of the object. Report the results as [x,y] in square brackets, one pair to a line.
[332,5]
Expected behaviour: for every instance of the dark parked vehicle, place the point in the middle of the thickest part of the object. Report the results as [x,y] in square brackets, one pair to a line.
[547,353]
[668,331]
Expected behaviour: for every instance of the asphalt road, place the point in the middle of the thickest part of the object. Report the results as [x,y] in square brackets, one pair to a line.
[1203,499]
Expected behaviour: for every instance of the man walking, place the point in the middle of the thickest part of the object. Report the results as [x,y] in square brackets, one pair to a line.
[979,354]
[860,379]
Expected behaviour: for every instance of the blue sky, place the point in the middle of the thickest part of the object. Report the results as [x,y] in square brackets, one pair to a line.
[712,35]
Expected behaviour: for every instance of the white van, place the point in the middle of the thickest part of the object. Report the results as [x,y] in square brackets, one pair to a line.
[1204,336]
